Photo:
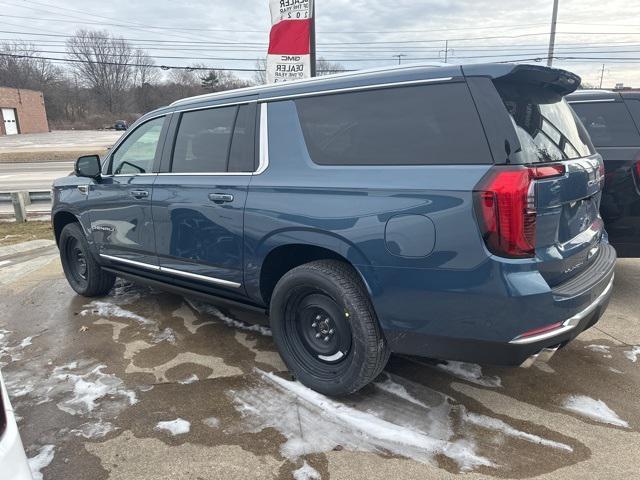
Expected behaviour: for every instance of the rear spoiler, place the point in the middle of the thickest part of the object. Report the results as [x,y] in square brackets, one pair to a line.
[560,82]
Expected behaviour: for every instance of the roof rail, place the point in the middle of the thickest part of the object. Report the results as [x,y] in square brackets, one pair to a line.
[306,81]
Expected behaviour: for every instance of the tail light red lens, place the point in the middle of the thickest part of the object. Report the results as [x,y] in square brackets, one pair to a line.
[506,208]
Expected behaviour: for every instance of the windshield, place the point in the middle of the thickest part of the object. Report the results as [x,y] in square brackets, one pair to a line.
[547,127]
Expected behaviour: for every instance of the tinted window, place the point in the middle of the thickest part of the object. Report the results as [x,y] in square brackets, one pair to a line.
[634,108]
[137,152]
[547,128]
[608,123]
[242,156]
[203,140]
[434,124]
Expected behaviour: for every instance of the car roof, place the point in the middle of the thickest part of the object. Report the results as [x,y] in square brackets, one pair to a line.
[372,77]
[405,73]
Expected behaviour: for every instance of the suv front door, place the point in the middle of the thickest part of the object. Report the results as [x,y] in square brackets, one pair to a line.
[120,203]
[200,194]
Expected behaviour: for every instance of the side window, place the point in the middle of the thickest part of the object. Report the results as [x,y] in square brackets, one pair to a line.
[421,125]
[203,141]
[608,123]
[634,108]
[242,156]
[137,152]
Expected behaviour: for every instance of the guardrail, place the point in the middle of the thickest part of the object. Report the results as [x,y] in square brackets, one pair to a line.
[20,201]
[40,196]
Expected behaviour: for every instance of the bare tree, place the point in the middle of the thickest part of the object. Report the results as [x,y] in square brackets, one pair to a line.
[21,67]
[325,67]
[103,63]
[260,76]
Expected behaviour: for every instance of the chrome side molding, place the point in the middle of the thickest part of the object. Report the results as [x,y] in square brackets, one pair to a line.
[171,271]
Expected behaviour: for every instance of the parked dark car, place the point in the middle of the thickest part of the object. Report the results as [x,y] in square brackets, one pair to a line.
[121,125]
[612,119]
[447,212]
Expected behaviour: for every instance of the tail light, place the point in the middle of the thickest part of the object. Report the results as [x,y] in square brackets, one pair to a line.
[505,206]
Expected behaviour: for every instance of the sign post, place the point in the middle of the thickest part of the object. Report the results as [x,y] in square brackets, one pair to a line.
[291,53]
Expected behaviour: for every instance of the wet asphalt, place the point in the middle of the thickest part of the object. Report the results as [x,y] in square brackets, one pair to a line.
[142,384]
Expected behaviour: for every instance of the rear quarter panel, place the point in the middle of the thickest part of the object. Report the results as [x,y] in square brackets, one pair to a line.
[347,210]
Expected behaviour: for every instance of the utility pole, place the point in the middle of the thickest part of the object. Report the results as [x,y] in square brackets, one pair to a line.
[312,35]
[445,51]
[601,76]
[399,57]
[552,38]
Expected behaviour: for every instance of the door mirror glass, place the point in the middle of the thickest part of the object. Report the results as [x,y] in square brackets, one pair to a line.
[88,166]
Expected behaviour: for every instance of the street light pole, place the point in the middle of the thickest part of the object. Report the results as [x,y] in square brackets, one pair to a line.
[312,34]
[552,39]
[601,76]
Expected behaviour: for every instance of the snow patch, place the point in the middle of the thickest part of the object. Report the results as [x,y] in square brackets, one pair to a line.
[470,372]
[41,461]
[306,472]
[178,426]
[633,353]
[189,380]
[491,423]
[598,348]
[313,423]
[108,309]
[166,335]
[94,430]
[594,409]
[208,309]
[89,388]
[211,422]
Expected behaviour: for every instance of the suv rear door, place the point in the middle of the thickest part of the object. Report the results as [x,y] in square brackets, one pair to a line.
[200,194]
[615,135]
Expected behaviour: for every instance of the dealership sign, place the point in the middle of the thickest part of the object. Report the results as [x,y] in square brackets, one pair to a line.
[290,40]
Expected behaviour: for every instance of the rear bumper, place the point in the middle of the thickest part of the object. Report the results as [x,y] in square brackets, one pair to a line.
[511,353]
[571,309]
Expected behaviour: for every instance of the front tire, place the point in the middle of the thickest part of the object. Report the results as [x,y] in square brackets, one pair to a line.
[326,329]
[83,273]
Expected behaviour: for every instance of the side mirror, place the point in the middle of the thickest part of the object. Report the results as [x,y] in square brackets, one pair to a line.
[88,166]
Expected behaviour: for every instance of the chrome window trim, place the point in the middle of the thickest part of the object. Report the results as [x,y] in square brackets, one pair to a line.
[263,162]
[376,86]
[156,268]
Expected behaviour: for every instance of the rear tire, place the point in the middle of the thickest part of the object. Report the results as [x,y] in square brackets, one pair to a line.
[83,273]
[326,329]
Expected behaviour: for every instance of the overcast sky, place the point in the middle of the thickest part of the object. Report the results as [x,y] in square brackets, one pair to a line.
[357,33]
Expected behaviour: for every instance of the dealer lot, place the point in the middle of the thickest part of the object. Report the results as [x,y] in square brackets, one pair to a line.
[142,384]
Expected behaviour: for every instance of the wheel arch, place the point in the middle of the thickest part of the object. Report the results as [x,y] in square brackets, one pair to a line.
[303,247]
[60,220]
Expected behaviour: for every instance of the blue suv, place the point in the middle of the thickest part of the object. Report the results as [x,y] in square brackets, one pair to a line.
[446,212]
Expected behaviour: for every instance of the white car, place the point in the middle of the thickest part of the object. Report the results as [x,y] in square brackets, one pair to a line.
[13,460]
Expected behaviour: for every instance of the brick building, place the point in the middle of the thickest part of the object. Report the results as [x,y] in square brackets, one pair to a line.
[22,111]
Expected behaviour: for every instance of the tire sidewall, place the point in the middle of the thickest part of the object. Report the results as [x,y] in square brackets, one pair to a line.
[299,278]
[74,231]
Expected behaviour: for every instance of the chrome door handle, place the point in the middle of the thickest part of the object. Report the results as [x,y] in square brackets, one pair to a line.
[139,193]
[221,197]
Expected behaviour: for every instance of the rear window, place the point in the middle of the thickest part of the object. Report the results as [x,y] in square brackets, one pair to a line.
[421,125]
[547,128]
[608,123]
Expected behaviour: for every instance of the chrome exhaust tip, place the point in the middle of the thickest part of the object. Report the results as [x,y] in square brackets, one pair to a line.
[543,355]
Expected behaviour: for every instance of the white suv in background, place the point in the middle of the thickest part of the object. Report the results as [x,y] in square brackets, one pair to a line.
[13,461]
